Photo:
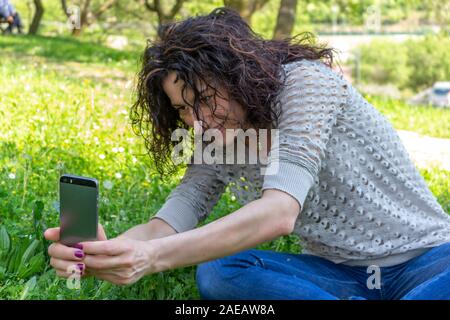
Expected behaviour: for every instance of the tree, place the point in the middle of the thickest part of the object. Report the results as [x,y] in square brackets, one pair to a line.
[285,19]
[38,12]
[163,17]
[87,14]
[438,12]
[246,8]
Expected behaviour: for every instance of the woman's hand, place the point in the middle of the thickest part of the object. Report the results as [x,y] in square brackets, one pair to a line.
[67,259]
[120,260]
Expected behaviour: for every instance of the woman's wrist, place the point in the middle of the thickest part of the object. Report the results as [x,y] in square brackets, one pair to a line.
[257,222]
[152,249]
[155,228]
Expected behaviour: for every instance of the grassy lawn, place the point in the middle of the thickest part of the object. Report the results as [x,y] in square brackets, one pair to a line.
[64,109]
[425,120]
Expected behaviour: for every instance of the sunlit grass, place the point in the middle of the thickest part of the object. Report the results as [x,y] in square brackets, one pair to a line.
[64,109]
[426,120]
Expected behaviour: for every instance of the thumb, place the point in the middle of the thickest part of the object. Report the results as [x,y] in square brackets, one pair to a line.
[52,234]
[101,233]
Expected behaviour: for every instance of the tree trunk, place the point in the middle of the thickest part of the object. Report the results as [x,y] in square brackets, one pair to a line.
[83,18]
[245,8]
[163,17]
[64,7]
[85,10]
[39,11]
[285,19]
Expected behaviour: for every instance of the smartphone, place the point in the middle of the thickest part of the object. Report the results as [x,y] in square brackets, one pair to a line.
[78,213]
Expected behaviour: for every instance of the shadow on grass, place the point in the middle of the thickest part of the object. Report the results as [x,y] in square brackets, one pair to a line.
[64,49]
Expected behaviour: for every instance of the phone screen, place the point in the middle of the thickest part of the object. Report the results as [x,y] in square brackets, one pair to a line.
[78,209]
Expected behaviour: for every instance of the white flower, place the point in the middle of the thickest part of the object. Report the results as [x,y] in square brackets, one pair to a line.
[121,149]
[115,149]
[12,176]
[101,156]
[134,159]
[108,184]
[118,175]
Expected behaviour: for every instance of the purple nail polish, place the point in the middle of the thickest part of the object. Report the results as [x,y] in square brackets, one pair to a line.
[78,246]
[79,254]
[80,266]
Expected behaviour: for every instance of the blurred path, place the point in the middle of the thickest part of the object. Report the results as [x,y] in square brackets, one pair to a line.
[426,151]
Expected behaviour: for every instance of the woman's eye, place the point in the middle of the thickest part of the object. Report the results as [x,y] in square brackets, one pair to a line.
[207,98]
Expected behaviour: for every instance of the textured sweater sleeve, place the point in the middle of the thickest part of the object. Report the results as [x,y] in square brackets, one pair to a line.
[310,104]
[193,199]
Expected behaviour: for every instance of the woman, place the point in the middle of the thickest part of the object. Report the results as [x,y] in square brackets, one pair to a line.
[340,178]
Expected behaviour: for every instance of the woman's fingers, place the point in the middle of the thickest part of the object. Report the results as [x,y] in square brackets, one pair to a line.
[107,247]
[62,273]
[60,251]
[101,233]
[52,234]
[67,268]
[111,276]
[71,273]
[104,262]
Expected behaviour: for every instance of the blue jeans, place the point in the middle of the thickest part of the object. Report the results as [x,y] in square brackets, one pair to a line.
[269,275]
[17,23]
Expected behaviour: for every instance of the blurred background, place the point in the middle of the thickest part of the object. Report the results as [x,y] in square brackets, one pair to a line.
[66,86]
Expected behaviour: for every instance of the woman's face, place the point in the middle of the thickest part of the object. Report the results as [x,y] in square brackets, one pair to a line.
[228,114]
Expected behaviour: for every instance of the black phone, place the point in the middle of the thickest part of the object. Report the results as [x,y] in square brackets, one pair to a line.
[78,197]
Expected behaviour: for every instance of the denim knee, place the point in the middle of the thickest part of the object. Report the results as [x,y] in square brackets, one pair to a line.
[207,276]
[214,278]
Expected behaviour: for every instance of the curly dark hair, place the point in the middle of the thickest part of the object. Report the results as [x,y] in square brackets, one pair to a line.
[219,46]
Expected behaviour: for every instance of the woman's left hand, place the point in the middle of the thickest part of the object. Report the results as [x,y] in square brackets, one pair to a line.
[120,260]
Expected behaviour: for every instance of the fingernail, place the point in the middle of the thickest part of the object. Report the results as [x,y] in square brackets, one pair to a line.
[80,266]
[79,254]
[78,246]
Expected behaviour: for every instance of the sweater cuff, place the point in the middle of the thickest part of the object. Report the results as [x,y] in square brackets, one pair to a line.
[177,214]
[292,179]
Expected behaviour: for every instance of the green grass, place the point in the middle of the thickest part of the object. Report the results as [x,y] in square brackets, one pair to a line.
[62,49]
[439,183]
[64,109]
[426,120]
